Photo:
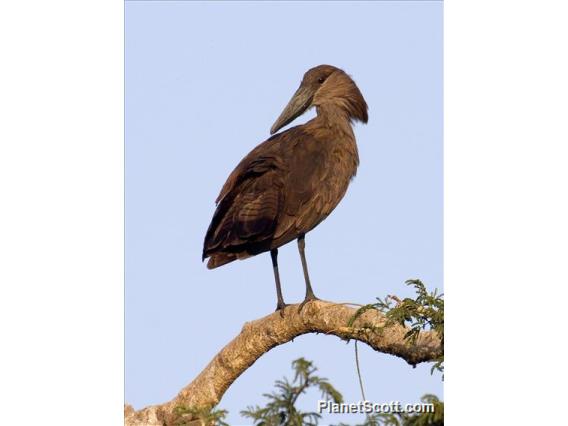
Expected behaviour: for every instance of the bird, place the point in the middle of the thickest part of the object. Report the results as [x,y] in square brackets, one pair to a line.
[291,182]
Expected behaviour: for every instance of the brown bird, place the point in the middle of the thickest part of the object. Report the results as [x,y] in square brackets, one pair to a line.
[291,182]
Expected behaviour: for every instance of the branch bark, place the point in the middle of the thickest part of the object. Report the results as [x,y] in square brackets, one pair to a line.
[259,336]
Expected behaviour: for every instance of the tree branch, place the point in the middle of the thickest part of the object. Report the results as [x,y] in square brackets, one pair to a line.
[259,336]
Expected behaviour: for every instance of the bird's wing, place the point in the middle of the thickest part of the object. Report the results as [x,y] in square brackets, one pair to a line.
[257,162]
[247,205]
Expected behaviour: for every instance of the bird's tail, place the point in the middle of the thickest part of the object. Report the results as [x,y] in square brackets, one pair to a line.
[220,259]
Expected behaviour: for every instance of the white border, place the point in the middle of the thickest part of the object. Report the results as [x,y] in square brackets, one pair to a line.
[61,214]
[506,211]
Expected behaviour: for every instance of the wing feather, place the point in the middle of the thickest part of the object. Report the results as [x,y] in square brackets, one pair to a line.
[248,207]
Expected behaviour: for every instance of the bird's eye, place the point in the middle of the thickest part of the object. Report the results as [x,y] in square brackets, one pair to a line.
[321,80]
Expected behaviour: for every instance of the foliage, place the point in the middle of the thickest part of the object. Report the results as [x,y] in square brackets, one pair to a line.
[189,416]
[281,409]
[425,312]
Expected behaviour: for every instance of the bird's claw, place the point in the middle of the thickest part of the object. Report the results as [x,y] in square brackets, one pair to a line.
[308,299]
[280,308]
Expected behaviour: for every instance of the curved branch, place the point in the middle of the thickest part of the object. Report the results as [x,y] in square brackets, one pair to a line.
[259,336]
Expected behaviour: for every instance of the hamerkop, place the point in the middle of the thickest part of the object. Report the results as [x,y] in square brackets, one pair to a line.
[291,182]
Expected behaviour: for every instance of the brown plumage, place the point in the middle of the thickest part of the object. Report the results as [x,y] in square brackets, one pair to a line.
[291,182]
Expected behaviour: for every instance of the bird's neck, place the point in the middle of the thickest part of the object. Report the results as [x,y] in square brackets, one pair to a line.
[338,122]
[335,118]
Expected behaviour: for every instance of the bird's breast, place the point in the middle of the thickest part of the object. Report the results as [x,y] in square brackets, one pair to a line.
[317,180]
[340,168]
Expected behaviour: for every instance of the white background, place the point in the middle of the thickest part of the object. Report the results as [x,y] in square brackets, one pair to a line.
[61,226]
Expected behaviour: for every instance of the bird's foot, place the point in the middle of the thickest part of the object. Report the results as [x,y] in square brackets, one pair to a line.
[309,298]
[280,308]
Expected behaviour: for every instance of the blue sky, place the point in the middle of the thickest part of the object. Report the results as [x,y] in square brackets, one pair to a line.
[204,83]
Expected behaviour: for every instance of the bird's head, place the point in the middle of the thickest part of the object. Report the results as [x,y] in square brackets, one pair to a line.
[322,86]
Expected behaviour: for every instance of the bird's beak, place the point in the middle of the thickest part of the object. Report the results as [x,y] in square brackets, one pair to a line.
[299,103]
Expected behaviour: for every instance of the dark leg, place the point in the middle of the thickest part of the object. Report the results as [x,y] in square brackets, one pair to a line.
[309,292]
[280,305]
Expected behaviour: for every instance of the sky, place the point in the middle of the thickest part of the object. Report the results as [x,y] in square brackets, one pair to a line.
[204,83]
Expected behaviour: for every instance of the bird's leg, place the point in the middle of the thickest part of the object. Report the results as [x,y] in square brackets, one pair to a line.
[309,292]
[280,305]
